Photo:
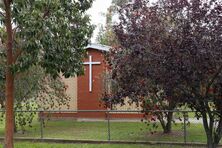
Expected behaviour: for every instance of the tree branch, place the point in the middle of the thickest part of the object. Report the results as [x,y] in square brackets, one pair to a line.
[212,80]
[14,31]
[46,13]
[17,54]
[160,118]
[2,14]
[5,2]
[218,131]
[205,123]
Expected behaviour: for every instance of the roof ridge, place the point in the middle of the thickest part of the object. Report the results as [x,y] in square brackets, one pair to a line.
[99,46]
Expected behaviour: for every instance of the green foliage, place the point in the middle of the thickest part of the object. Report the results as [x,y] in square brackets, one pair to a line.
[49,37]
[50,33]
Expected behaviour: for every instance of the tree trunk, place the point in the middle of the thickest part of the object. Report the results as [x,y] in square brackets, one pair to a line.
[168,127]
[212,142]
[9,122]
[218,133]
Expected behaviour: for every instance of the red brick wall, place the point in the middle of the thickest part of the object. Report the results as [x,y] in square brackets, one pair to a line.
[91,100]
[91,115]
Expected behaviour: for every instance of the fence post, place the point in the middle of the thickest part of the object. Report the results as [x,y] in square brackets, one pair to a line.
[41,124]
[185,126]
[108,124]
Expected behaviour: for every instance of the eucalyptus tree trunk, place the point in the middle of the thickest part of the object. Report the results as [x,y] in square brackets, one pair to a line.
[9,122]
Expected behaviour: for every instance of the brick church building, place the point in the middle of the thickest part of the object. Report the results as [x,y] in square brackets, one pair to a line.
[85,91]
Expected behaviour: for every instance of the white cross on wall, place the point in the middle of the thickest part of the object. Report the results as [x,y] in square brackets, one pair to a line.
[90,63]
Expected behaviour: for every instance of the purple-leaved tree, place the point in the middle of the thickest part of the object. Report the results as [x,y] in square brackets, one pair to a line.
[170,54]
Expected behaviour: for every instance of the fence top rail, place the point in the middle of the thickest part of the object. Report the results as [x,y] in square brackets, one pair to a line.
[106,111]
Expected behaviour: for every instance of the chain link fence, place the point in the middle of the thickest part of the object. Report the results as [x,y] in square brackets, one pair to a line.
[112,125]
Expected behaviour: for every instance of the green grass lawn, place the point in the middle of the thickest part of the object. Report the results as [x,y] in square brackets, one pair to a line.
[50,145]
[123,131]
[128,131]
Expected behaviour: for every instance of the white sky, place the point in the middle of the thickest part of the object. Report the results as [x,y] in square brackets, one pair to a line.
[98,8]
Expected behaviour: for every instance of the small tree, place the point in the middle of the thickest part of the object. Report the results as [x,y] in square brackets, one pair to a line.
[35,90]
[51,34]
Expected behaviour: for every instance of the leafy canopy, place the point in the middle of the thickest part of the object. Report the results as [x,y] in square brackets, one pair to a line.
[174,46]
[51,33]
